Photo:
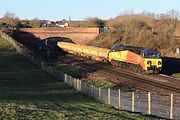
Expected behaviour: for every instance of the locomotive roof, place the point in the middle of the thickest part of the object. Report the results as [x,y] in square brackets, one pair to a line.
[136,50]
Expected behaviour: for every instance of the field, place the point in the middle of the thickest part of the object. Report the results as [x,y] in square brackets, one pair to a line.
[29,93]
[177,75]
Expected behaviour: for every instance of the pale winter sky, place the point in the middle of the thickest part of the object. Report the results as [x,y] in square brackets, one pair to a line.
[81,9]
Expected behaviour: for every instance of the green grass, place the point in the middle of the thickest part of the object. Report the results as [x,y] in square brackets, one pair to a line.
[102,82]
[26,92]
[99,82]
[70,70]
[176,75]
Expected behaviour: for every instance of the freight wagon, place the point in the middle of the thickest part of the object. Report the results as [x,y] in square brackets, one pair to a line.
[138,59]
[100,54]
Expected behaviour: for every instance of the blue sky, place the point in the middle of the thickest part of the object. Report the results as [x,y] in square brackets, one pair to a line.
[80,9]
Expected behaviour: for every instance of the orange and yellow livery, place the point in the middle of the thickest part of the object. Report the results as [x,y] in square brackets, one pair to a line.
[139,58]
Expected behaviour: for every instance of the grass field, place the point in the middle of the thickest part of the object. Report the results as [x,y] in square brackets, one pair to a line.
[28,93]
[176,75]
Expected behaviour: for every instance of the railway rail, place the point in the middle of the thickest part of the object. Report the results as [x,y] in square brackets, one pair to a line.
[148,83]
[153,83]
[160,84]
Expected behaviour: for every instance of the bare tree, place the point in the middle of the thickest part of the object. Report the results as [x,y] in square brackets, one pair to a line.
[35,23]
[93,22]
[174,14]
[10,15]
[11,20]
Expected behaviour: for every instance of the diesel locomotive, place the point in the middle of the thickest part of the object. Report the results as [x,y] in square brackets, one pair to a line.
[138,59]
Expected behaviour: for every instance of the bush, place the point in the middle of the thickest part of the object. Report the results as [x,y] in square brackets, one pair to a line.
[135,32]
[93,22]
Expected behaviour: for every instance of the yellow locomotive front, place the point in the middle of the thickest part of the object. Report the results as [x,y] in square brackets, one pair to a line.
[152,60]
[138,59]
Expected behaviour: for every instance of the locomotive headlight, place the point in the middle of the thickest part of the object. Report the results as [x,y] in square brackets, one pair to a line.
[149,62]
[159,62]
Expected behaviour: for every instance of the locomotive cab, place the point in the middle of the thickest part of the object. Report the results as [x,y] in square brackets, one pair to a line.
[152,60]
[138,58]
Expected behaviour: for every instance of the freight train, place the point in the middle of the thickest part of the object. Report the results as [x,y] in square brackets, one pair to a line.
[138,59]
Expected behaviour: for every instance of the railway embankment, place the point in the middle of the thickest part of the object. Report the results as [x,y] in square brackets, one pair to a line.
[128,100]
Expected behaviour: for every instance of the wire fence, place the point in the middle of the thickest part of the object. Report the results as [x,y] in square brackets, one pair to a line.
[165,106]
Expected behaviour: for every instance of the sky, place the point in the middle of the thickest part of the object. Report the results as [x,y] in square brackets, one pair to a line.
[81,9]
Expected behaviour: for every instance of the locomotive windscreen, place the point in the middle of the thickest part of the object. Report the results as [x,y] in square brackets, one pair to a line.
[136,50]
[151,53]
[144,52]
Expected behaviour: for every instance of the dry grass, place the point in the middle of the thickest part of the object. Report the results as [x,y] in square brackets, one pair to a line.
[142,31]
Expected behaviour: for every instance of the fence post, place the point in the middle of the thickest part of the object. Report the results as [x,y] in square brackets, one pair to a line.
[42,65]
[75,83]
[80,85]
[70,81]
[65,78]
[132,101]
[109,96]
[92,90]
[99,93]
[149,103]
[171,107]
[119,98]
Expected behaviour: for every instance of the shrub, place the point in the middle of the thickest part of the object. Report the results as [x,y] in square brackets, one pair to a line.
[93,22]
[137,32]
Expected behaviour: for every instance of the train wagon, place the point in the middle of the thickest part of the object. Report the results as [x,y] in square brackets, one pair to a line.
[100,54]
[138,59]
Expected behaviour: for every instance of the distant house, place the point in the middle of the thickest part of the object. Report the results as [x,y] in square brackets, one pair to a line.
[62,24]
[56,24]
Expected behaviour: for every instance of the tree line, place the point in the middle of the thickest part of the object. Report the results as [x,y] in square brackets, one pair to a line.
[11,20]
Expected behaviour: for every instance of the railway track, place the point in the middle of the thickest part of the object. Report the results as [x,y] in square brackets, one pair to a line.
[148,83]
[140,81]
[154,82]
